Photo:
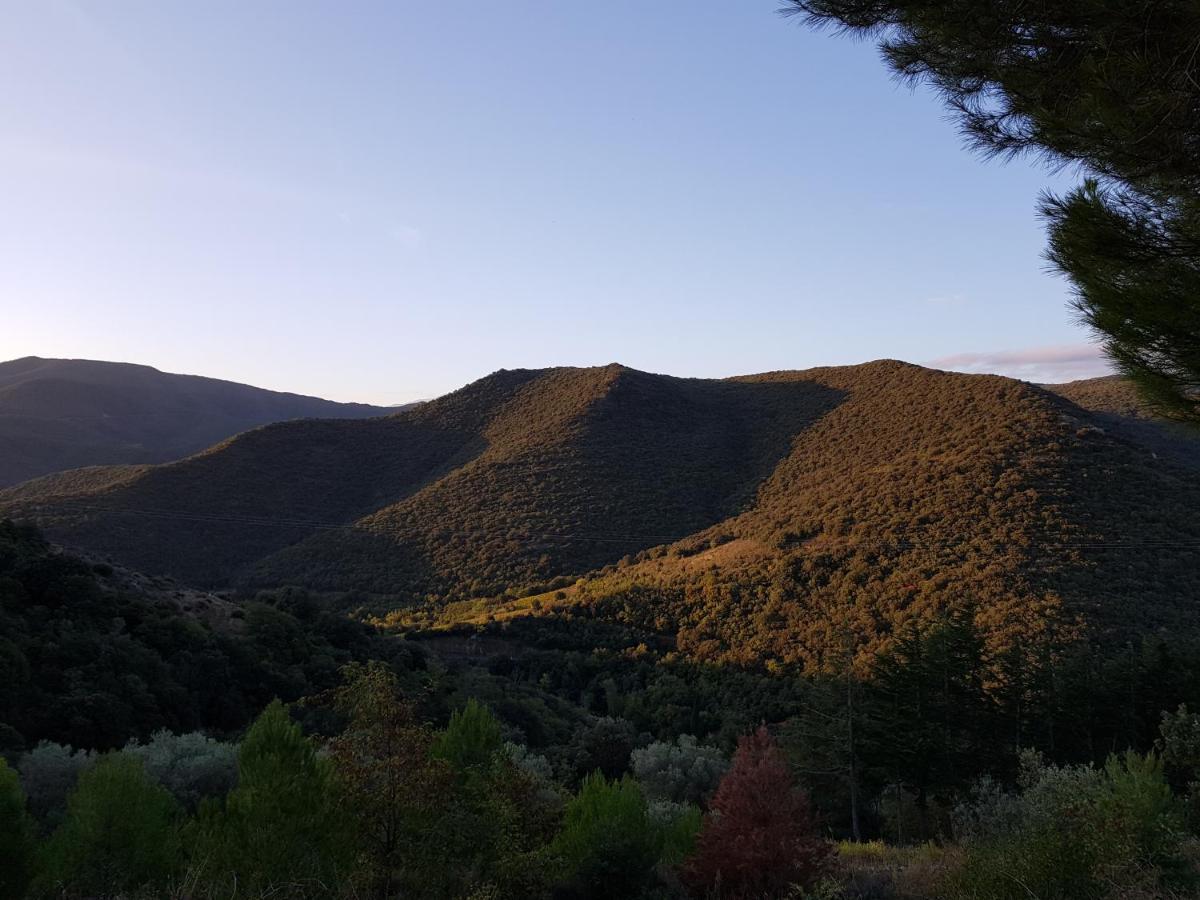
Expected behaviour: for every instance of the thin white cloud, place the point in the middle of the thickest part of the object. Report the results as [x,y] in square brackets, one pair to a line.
[1046,365]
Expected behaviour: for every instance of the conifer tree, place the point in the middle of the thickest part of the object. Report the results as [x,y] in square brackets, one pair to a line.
[608,843]
[759,839]
[471,740]
[1111,87]
[120,833]
[16,836]
[279,829]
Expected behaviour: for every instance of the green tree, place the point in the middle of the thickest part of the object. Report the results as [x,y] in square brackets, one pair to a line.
[608,843]
[471,740]
[120,833]
[1109,86]
[16,836]
[279,829]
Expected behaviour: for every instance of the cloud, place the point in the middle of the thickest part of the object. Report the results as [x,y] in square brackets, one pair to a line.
[1046,365]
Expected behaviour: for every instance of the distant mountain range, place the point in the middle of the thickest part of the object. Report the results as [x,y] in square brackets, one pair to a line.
[763,517]
[60,414]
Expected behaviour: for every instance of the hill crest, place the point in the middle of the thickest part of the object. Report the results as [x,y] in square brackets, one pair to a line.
[846,498]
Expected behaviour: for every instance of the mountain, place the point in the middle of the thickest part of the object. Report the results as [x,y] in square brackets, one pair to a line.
[60,414]
[765,517]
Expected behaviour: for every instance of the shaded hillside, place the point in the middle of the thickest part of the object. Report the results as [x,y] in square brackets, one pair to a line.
[521,476]
[770,517]
[60,414]
[92,654]
[1122,410]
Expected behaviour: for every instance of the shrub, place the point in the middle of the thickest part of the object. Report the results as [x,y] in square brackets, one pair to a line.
[1075,831]
[191,766]
[681,772]
[49,773]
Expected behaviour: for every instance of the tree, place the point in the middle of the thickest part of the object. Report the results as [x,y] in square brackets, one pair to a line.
[389,787]
[608,843]
[1111,87]
[926,707]
[16,836]
[759,838]
[279,829]
[120,833]
[471,740]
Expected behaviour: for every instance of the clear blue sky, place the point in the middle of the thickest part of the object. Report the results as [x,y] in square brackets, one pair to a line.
[384,204]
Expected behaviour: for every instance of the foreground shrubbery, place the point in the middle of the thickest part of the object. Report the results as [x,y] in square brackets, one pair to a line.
[389,807]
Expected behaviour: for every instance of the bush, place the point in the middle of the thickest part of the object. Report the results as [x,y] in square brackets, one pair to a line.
[120,832]
[681,772]
[49,773]
[1074,831]
[191,766]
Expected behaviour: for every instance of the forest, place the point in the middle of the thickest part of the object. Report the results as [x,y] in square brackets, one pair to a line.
[285,750]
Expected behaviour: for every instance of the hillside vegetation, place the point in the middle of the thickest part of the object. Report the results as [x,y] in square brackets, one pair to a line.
[60,414]
[774,517]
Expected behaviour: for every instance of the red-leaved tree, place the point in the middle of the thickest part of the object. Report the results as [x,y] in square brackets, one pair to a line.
[759,837]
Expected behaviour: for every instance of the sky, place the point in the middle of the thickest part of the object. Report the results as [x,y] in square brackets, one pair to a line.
[382,201]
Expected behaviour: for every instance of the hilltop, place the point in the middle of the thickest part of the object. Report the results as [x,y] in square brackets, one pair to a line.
[765,517]
[60,414]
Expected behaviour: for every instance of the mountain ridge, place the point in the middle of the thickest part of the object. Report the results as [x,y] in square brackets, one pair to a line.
[58,414]
[849,499]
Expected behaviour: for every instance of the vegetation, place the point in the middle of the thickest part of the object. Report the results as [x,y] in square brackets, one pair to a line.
[759,837]
[921,578]
[91,656]
[758,520]
[1110,87]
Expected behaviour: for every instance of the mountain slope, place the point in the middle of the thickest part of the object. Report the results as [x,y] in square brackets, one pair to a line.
[766,517]
[60,414]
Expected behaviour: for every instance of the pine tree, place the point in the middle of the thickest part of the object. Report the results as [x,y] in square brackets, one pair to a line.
[120,833]
[608,843]
[471,740]
[279,829]
[16,836]
[759,838]
[1111,87]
